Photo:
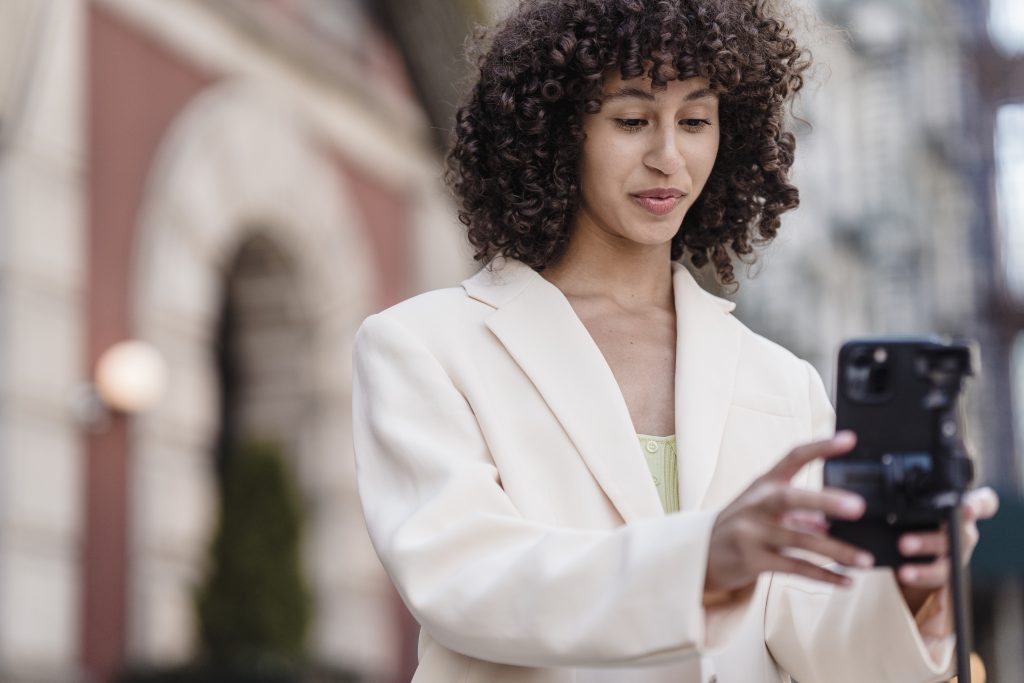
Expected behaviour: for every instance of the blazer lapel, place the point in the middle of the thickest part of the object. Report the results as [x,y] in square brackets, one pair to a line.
[707,350]
[545,337]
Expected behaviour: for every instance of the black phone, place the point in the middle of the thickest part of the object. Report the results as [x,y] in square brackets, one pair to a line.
[902,396]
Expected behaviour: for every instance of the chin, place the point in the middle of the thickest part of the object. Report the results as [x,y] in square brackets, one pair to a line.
[650,240]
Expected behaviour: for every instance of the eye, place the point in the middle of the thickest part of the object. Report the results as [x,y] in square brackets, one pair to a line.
[695,125]
[631,125]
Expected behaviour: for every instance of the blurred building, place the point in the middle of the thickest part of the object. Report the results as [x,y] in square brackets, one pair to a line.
[237,183]
[908,225]
[882,241]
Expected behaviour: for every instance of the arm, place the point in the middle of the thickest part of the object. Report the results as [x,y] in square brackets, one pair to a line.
[819,633]
[480,578]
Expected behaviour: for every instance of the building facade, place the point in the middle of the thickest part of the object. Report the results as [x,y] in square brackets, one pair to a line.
[238,184]
[900,232]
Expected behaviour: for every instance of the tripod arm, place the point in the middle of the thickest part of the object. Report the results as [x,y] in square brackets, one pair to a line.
[960,579]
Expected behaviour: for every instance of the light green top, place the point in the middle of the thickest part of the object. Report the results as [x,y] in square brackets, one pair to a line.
[660,453]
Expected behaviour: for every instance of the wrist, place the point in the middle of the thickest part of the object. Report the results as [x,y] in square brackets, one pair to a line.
[716,598]
[918,599]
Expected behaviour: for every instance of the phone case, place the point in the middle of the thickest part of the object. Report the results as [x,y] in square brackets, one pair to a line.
[900,395]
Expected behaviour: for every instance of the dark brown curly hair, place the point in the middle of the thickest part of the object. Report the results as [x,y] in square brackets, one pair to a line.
[514,161]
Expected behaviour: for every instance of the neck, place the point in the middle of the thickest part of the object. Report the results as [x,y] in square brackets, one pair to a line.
[634,276]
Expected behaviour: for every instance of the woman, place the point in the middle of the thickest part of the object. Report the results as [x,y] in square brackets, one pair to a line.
[578,466]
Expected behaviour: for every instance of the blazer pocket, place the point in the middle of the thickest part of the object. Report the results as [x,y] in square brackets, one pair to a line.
[763,403]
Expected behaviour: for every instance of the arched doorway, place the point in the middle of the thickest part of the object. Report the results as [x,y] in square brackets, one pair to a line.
[269,229]
[261,351]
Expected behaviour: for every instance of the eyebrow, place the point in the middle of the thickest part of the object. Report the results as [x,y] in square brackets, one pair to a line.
[630,91]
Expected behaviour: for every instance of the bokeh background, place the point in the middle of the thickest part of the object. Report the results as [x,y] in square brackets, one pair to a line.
[238,183]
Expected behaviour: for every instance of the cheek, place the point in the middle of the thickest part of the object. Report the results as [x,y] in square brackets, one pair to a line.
[704,159]
[711,153]
[611,162]
[602,162]
[586,178]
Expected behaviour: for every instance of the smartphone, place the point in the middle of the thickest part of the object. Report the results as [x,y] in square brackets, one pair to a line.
[902,396]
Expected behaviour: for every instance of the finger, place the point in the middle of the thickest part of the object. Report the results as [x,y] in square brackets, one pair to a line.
[937,542]
[934,575]
[924,543]
[801,567]
[980,503]
[970,537]
[781,538]
[805,520]
[785,469]
[779,499]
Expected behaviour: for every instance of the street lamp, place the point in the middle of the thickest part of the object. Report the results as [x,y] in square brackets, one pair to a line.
[130,378]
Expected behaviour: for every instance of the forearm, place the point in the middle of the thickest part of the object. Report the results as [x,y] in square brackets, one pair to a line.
[480,577]
[505,590]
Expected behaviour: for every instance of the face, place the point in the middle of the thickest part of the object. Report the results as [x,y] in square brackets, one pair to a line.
[645,159]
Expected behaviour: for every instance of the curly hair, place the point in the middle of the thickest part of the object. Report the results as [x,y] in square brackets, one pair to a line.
[514,162]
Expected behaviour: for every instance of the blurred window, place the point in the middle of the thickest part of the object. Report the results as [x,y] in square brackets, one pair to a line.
[1006,25]
[1009,148]
[1017,361]
[338,23]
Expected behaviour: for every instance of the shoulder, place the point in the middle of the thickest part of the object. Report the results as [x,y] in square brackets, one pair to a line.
[456,311]
[710,312]
[761,347]
[440,312]
[445,322]
[770,374]
[771,368]
[427,309]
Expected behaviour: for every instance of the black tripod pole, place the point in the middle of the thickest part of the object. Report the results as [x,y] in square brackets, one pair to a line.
[960,580]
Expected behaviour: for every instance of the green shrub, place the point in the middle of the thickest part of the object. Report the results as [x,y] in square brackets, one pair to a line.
[198,673]
[255,607]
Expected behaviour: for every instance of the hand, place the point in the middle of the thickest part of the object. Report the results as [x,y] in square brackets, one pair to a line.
[919,581]
[751,535]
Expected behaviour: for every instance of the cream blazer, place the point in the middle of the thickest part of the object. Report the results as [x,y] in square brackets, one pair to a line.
[506,495]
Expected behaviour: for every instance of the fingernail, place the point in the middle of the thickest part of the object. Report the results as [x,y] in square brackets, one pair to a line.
[911,544]
[843,438]
[865,560]
[910,574]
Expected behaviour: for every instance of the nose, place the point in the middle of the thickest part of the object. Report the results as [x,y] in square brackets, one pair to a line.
[665,154]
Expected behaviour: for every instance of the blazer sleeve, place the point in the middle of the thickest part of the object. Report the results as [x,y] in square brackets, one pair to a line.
[823,634]
[479,577]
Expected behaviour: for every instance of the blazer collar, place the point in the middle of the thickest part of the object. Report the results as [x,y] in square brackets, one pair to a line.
[545,337]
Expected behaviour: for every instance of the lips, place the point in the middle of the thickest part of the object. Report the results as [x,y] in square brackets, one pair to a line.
[659,201]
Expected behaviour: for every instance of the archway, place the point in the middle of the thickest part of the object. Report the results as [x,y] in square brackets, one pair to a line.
[239,157]
[260,351]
